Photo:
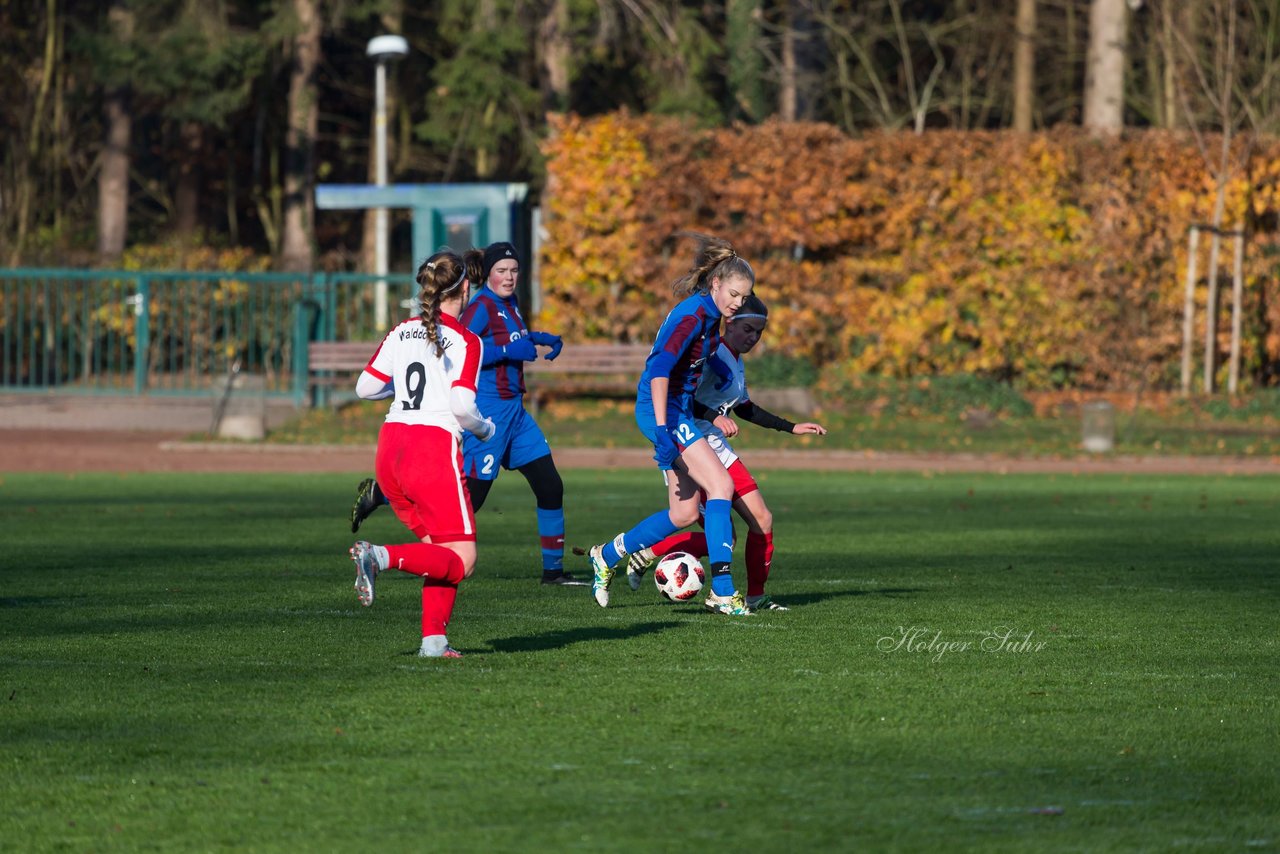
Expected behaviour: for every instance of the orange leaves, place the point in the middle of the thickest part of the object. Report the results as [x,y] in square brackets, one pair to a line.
[1049,258]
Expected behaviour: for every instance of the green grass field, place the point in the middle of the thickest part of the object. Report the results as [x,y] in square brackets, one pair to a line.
[185,667]
[609,423]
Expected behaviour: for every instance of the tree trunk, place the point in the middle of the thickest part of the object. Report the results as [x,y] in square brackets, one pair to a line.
[113,177]
[554,50]
[1169,70]
[27,166]
[186,196]
[788,97]
[1225,173]
[742,48]
[299,200]
[1024,66]
[1104,67]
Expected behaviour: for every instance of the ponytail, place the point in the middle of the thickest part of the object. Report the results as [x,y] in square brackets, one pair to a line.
[715,258]
[438,277]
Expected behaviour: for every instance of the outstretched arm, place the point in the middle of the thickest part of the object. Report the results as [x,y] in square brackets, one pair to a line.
[519,350]
[750,411]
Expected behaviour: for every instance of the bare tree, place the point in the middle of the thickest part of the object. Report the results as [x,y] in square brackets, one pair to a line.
[24,172]
[744,74]
[1024,66]
[891,93]
[1105,66]
[186,195]
[788,72]
[1218,84]
[299,202]
[555,54]
[113,177]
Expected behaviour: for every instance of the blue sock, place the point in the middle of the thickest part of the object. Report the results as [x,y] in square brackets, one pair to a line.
[719,526]
[722,580]
[651,530]
[551,533]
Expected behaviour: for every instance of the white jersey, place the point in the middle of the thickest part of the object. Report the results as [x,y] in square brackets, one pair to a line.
[421,379]
[722,387]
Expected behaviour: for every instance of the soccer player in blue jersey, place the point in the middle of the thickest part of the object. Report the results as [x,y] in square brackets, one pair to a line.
[722,392]
[714,288]
[494,315]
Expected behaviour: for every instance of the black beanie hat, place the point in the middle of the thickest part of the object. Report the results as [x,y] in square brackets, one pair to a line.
[494,253]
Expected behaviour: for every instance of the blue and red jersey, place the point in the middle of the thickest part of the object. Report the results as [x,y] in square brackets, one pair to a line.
[689,335]
[498,322]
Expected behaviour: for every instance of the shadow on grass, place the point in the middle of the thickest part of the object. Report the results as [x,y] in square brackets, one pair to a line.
[562,638]
[812,597]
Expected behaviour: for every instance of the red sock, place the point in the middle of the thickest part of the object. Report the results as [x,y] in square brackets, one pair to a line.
[427,560]
[437,605]
[693,542]
[759,556]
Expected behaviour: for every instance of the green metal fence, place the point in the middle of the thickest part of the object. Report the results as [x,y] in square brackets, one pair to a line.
[178,333]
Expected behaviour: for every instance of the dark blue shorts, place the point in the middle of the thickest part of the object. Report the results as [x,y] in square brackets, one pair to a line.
[518,441]
[681,423]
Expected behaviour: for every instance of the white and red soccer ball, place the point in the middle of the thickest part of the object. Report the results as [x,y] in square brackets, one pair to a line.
[679,576]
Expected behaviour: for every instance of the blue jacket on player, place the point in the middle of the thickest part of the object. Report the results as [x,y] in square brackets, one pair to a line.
[689,335]
[498,322]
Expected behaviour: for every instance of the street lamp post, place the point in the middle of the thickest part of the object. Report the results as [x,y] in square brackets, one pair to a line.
[382,49]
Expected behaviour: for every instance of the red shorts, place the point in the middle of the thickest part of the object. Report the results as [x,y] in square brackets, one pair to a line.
[743,482]
[419,469]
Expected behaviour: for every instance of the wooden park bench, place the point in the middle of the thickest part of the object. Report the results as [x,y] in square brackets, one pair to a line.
[581,369]
[596,368]
[335,364]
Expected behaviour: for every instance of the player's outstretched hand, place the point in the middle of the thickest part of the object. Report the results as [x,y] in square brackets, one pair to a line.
[547,339]
[809,427]
[487,430]
[521,350]
[665,450]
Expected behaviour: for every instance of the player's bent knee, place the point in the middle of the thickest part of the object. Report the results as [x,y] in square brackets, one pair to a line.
[683,517]
[764,520]
[720,487]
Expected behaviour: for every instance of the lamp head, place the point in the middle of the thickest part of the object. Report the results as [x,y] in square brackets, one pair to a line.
[387,48]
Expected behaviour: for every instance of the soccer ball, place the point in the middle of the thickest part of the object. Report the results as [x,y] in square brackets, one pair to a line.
[679,576]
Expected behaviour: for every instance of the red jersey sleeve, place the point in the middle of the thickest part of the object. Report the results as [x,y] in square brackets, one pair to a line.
[380,364]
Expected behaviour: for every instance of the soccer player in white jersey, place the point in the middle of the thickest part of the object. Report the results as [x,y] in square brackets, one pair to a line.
[428,365]
[722,391]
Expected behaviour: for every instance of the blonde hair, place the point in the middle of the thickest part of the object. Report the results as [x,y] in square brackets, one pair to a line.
[715,258]
[438,277]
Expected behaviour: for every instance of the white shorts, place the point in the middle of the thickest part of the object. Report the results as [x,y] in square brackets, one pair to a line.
[717,441]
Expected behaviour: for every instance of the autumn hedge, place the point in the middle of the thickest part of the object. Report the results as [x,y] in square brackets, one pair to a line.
[1052,260]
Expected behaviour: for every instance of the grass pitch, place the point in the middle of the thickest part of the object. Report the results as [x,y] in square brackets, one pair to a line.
[979,663]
